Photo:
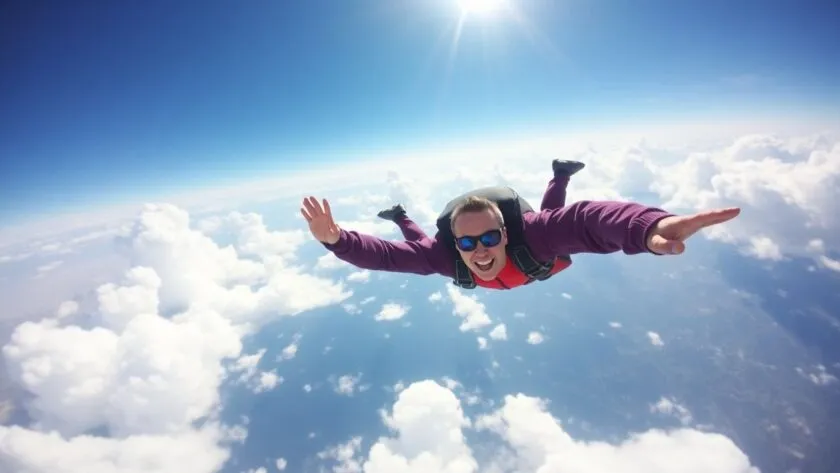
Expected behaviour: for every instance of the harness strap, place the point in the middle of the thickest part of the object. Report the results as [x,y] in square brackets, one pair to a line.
[463,277]
[524,260]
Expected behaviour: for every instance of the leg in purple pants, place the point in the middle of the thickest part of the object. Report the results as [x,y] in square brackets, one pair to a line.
[555,194]
[410,230]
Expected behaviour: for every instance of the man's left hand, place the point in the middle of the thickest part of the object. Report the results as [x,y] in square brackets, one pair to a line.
[668,236]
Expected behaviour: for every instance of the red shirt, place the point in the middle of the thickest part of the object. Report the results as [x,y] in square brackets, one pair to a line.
[510,276]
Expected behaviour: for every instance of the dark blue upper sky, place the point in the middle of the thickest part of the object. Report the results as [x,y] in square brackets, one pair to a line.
[105,100]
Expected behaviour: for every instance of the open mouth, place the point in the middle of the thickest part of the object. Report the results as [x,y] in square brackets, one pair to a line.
[484,265]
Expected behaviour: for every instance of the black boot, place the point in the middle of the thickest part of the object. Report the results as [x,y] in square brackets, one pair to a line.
[563,168]
[392,213]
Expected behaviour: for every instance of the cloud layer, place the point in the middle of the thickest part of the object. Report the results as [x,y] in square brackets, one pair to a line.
[135,384]
[430,435]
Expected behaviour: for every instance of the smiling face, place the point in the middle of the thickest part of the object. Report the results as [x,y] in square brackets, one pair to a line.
[484,261]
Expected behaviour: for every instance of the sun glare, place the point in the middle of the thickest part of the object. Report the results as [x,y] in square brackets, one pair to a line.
[479,7]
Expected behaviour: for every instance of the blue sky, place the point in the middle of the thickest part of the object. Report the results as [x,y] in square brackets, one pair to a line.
[103,102]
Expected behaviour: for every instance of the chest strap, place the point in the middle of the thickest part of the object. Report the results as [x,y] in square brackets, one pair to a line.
[521,257]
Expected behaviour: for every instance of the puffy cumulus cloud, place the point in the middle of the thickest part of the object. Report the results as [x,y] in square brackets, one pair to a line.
[348,384]
[655,339]
[788,187]
[196,270]
[329,261]
[535,338]
[391,311]
[133,383]
[671,407]
[257,381]
[429,435]
[429,422]
[359,276]
[537,442]
[469,308]
[499,332]
[251,236]
[290,350]
[67,308]
[146,382]
[415,196]
[25,450]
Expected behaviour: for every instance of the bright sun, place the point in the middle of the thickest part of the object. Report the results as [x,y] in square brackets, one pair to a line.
[481,7]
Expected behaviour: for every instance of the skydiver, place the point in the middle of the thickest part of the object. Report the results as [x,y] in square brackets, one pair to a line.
[478,245]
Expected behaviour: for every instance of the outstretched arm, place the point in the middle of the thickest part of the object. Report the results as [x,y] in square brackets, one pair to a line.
[609,226]
[596,227]
[427,256]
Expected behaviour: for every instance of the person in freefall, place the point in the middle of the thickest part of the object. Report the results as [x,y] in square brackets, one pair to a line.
[478,232]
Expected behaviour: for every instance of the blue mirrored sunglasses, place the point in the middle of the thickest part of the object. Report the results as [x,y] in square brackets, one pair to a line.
[489,239]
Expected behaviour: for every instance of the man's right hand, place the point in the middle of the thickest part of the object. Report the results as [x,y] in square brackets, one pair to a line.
[320,220]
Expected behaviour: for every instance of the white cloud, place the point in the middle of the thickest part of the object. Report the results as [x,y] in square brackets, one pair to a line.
[348,384]
[351,309]
[535,338]
[821,377]
[330,261]
[777,180]
[671,407]
[436,296]
[429,421]
[566,295]
[195,270]
[23,450]
[415,197]
[364,198]
[762,247]
[482,343]
[253,238]
[66,309]
[247,365]
[615,324]
[268,380]
[499,332]
[359,276]
[344,455]
[829,263]
[655,339]
[468,308]
[147,362]
[391,311]
[380,228]
[290,350]
[281,464]
[428,426]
